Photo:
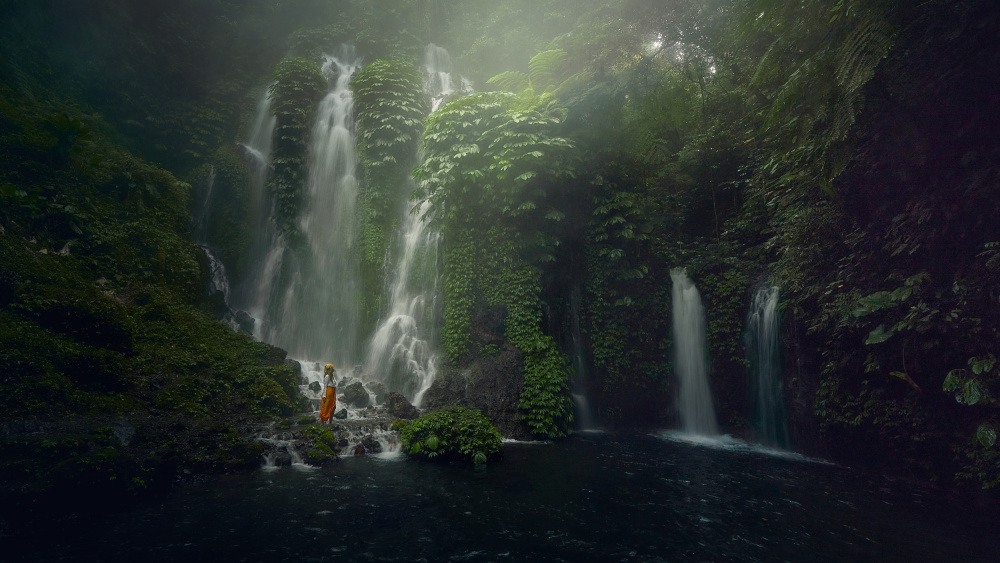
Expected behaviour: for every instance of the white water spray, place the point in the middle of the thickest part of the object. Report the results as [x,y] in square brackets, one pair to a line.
[439,78]
[695,402]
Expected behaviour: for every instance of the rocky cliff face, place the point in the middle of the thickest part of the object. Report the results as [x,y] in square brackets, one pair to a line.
[491,384]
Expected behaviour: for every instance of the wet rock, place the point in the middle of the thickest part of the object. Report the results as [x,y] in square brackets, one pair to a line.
[359,450]
[491,385]
[399,407]
[378,389]
[281,459]
[123,431]
[245,321]
[341,414]
[315,387]
[371,445]
[355,395]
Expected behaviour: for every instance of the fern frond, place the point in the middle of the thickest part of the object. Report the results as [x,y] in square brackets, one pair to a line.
[511,81]
[545,66]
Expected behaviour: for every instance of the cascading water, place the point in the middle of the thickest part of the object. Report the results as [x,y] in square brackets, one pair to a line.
[695,402]
[203,215]
[401,352]
[318,312]
[439,82]
[266,247]
[763,353]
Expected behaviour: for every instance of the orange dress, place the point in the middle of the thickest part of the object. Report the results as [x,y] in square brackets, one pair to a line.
[329,403]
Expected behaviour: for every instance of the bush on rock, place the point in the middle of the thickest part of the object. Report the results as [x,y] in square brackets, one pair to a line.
[455,433]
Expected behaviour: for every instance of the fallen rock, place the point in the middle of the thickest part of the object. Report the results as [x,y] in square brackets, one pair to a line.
[247,323]
[355,395]
[399,407]
[370,444]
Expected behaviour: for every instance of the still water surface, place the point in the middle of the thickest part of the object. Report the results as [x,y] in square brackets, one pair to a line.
[595,497]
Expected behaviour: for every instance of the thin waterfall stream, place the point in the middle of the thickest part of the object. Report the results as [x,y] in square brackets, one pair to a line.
[695,399]
[764,355]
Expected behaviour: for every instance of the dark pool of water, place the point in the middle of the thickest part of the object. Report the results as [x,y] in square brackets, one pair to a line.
[596,497]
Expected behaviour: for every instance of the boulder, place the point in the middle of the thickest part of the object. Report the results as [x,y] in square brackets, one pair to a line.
[247,323]
[315,387]
[399,407]
[355,395]
[341,414]
[491,385]
[370,444]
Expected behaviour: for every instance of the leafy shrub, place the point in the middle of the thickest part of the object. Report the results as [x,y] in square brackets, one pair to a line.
[455,433]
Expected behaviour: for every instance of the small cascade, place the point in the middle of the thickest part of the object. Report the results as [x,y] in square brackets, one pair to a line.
[695,401]
[764,356]
[203,214]
[318,310]
[583,413]
[280,449]
[439,79]
[218,281]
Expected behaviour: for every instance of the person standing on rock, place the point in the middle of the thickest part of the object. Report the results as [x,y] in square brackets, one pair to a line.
[329,403]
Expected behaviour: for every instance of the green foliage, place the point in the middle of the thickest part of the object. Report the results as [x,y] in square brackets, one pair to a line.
[455,433]
[298,86]
[487,154]
[459,291]
[545,393]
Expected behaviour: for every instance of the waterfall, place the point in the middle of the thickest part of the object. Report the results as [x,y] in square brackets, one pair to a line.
[204,212]
[266,247]
[219,280]
[318,309]
[695,402]
[583,413]
[763,354]
[439,82]
[401,353]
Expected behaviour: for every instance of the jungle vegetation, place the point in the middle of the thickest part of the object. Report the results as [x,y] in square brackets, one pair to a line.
[844,150]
